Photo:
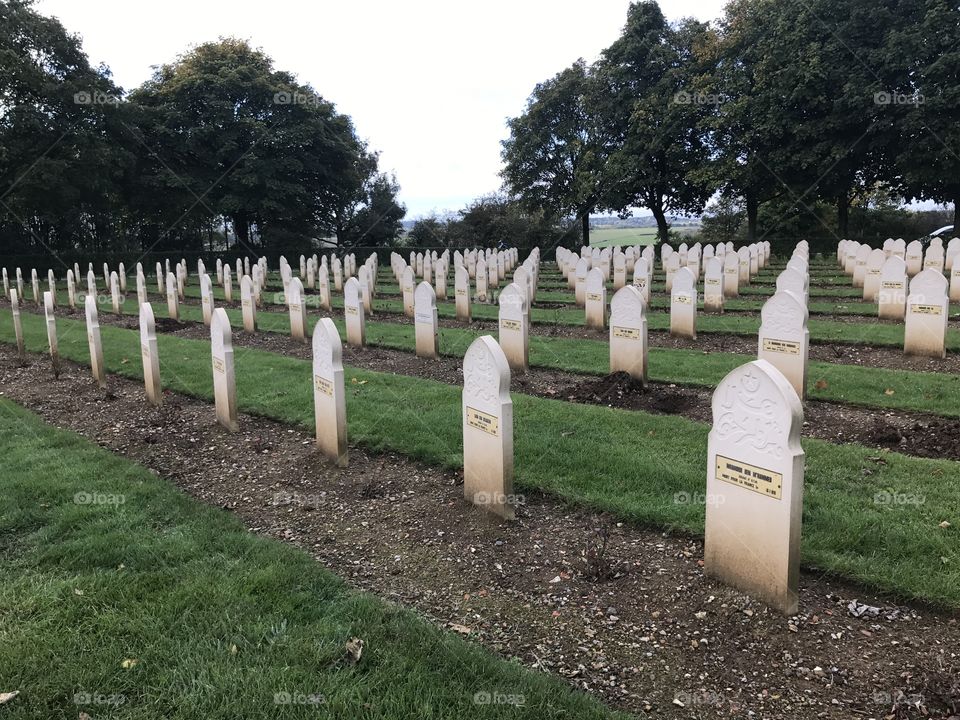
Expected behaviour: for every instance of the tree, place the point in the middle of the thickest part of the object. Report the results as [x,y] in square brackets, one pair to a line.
[654,114]
[376,220]
[230,136]
[427,232]
[498,219]
[929,150]
[555,155]
[62,148]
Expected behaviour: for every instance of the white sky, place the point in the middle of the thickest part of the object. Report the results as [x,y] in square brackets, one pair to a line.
[429,83]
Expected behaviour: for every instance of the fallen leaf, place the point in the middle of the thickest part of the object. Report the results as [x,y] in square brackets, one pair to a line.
[8,696]
[129,663]
[821,384]
[945,524]
[77,591]
[462,629]
[889,391]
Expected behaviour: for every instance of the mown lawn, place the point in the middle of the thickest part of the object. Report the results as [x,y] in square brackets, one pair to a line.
[937,393]
[631,464]
[160,607]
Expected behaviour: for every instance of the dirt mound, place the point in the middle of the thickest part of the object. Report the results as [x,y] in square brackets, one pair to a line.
[937,439]
[620,390]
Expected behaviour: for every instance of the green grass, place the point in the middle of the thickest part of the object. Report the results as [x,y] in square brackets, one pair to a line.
[218,620]
[631,464]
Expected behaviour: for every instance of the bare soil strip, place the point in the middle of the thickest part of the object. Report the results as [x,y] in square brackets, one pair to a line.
[618,611]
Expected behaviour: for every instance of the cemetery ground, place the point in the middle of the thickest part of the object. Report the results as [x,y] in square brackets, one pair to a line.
[599,582]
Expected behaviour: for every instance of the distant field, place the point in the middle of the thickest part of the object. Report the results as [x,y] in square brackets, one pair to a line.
[605,236]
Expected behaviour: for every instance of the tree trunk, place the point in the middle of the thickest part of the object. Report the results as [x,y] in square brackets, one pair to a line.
[843,214]
[585,226]
[663,229]
[753,209]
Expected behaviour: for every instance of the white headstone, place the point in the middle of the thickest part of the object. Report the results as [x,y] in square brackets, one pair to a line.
[297,309]
[206,298]
[514,328]
[628,333]
[17,324]
[407,288]
[224,380]
[683,305]
[425,320]
[329,396]
[51,320]
[892,295]
[713,285]
[148,351]
[595,297]
[173,301]
[488,429]
[353,314]
[926,319]
[94,342]
[248,305]
[755,468]
[784,340]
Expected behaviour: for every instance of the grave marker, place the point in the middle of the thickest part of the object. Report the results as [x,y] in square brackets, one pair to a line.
[353,314]
[595,296]
[148,351]
[248,305]
[17,325]
[514,328]
[628,333]
[892,295]
[462,293]
[926,318]
[683,305]
[224,380]
[94,342]
[173,301]
[713,285]
[784,340]
[407,287]
[329,396]
[425,320]
[297,309]
[755,468]
[488,429]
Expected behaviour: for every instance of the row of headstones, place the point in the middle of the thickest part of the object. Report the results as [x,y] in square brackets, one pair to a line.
[755,473]
[921,299]
[755,462]
[723,276]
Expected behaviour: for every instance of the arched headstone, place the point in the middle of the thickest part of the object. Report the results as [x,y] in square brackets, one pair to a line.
[148,351]
[926,320]
[628,333]
[206,298]
[784,340]
[353,314]
[580,293]
[514,333]
[892,295]
[297,309]
[407,288]
[248,305]
[871,278]
[461,282]
[641,278]
[595,296]
[173,300]
[224,380]
[683,305]
[329,395]
[487,413]
[94,342]
[425,320]
[51,321]
[755,469]
[713,285]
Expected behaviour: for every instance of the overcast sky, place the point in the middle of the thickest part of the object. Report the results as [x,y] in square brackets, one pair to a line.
[429,83]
